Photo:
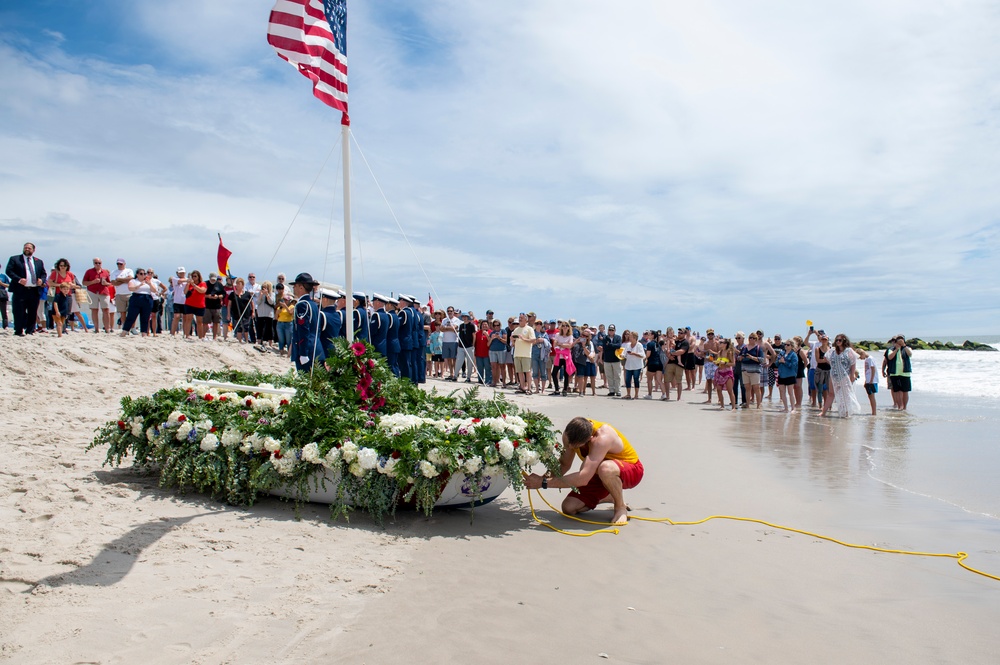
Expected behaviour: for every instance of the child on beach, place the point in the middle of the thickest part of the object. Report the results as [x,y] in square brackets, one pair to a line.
[871,377]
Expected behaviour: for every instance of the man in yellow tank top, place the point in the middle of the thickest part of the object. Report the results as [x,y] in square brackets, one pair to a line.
[610,465]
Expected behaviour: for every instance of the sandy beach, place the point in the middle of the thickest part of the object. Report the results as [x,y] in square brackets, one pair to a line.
[100,565]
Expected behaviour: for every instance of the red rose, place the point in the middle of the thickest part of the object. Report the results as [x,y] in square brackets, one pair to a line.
[395,454]
[181,418]
[371,364]
[190,390]
[283,402]
[213,429]
[208,397]
[476,420]
[277,455]
[249,402]
[121,424]
[223,399]
[516,443]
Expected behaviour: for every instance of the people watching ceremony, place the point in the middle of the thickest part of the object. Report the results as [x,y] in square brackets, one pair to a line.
[527,356]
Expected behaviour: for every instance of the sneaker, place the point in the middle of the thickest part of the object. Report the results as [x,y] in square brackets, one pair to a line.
[648,397]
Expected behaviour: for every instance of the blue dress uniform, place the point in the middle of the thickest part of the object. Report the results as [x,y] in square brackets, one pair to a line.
[420,346]
[406,369]
[392,339]
[332,318]
[362,324]
[379,325]
[308,324]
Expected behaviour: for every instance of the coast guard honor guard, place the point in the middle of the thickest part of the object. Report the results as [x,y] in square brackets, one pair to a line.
[379,325]
[406,369]
[308,324]
[330,299]
[362,329]
[392,336]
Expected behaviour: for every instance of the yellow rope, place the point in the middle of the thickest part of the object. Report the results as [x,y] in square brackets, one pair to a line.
[960,557]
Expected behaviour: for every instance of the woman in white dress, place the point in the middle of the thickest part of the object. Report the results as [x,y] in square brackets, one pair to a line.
[843,374]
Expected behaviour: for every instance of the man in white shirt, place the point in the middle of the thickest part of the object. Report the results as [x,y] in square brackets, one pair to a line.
[178,284]
[449,342]
[120,277]
[523,338]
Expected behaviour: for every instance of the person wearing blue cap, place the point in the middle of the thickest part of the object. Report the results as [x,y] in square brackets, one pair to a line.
[309,323]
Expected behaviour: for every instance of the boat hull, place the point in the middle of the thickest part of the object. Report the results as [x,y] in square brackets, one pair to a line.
[458,492]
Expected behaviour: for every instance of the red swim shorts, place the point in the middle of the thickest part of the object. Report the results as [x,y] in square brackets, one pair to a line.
[593,492]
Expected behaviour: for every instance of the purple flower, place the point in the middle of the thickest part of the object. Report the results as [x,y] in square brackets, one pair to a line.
[463,431]
[192,397]
[262,421]
[370,423]
[244,413]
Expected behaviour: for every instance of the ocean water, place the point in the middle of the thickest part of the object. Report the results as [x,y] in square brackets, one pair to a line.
[926,476]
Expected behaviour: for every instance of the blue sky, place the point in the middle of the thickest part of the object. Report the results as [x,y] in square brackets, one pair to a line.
[726,164]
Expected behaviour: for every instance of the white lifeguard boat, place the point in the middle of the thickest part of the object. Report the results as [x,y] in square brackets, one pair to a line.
[459,492]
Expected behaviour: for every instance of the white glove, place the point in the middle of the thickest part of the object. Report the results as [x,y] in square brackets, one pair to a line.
[303,360]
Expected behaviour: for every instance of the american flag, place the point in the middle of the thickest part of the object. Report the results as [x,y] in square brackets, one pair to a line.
[312,36]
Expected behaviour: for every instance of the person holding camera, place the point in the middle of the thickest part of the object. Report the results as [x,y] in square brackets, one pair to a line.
[140,303]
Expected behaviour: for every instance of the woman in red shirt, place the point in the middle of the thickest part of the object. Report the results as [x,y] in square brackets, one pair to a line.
[483,352]
[64,283]
[195,304]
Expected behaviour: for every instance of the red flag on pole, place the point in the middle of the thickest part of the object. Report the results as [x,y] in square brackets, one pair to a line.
[430,303]
[312,36]
[224,255]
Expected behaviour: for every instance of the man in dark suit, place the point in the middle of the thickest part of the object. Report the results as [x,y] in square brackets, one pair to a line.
[27,277]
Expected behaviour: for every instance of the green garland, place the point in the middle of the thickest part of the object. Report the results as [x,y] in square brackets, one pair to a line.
[383,440]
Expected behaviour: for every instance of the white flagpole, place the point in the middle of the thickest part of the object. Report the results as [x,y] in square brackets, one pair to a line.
[345,134]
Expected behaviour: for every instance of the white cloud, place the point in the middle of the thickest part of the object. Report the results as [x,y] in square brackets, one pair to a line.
[742,165]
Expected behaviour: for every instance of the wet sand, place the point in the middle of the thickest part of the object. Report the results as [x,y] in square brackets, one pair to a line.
[100,565]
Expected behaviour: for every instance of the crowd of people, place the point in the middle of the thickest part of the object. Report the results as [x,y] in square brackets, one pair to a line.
[527,353]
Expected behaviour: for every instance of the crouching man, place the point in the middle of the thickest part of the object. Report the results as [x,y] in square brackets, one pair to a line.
[610,465]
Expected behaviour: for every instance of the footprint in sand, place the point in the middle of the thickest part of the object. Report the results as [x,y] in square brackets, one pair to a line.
[41,518]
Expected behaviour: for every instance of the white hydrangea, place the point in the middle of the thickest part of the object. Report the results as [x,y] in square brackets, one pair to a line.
[388,467]
[209,443]
[349,451]
[271,445]
[367,458]
[231,437]
[398,422]
[150,434]
[427,469]
[231,397]
[473,464]
[174,418]
[310,453]
[137,426]
[251,443]
[203,425]
[434,456]
[527,457]
[183,430]
[332,459]
[506,448]
[284,466]
[356,469]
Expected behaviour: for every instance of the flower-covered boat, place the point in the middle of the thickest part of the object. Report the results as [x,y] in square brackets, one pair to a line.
[353,436]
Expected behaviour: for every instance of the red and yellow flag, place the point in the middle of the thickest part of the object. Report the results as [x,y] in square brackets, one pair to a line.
[224,255]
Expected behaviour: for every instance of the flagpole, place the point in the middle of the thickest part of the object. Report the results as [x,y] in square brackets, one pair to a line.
[345,135]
